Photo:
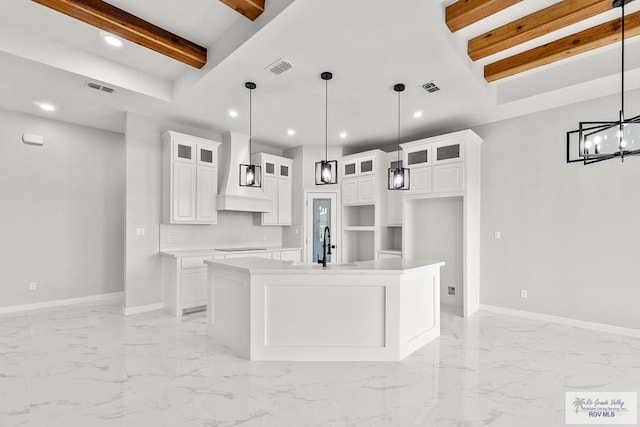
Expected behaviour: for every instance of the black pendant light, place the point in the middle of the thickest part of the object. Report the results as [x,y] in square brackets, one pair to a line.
[399,177]
[597,141]
[326,170]
[250,175]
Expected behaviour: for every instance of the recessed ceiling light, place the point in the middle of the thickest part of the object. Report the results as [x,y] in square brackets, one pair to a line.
[112,40]
[291,132]
[417,114]
[343,135]
[46,107]
[233,113]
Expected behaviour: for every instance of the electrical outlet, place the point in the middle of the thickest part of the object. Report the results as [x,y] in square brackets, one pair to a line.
[169,239]
[523,293]
[497,235]
[451,290]
[33,286]
[140,231]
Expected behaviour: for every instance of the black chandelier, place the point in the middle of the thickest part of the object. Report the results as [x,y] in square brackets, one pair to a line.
[597,141]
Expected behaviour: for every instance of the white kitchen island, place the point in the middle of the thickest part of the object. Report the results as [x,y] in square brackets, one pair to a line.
[380,310]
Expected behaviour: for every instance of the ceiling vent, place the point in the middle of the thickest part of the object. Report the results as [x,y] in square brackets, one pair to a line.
[430,87]
[279,67]
[101,88]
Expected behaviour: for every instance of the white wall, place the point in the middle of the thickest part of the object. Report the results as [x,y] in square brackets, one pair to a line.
[569,232]
[62,213]
[439,224]
[143,283]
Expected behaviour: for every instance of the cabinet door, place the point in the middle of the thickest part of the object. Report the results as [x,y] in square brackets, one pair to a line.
[269,168]
[285,204]
[194,287]
[394,207]
[420,180]
[350,191]
[184,151]
[448,178]
[350,169]
[366,190]
[206,155]
[184,193]
[206,189]
[366,166]
[270,188]
[447,152]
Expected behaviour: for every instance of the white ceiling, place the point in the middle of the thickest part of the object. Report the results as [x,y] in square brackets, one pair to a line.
[368,44]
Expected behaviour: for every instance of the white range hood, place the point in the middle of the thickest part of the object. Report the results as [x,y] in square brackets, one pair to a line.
[232,197]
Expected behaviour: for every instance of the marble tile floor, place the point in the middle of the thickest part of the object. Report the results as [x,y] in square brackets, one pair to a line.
[87,365]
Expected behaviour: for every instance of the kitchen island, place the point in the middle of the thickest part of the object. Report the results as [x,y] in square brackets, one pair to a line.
[380,310]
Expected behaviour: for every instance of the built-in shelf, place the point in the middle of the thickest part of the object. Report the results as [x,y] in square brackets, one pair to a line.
[359,228]
[359,216]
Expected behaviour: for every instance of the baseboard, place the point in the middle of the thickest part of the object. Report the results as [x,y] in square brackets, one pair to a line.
[128,311]
[563,321]
[60,302]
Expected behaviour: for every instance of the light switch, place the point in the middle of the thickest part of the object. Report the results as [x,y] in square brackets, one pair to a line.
[497,235]
[140,231]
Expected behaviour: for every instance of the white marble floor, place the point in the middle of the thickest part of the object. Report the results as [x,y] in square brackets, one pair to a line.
[86,365]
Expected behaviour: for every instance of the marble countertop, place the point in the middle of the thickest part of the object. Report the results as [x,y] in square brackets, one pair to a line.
[178,253]
[268,266]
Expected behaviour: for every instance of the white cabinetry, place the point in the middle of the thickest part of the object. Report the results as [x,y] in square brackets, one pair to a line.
[363,204]
[184,277]
[190,179]
[277,186]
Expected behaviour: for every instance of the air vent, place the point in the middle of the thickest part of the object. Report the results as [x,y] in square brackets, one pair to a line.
[102,88]
[279,67]
[430,87]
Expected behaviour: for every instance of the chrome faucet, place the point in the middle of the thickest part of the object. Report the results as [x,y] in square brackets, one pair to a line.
[326,246]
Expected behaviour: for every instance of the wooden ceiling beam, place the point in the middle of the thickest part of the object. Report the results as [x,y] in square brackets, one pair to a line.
[584,41]
[466,12]
[248,8]
[547,20]
[130,27]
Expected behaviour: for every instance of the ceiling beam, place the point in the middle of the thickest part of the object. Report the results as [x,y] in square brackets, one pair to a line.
[466,12]
[547,20]
[130,27]
[248,8]
[584,41]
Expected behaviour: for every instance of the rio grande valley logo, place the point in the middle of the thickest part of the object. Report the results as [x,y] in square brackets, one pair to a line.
[601,407]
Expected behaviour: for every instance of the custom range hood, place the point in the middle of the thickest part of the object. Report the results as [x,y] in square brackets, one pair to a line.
[234,151]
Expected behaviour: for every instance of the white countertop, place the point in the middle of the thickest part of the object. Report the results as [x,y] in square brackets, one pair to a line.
[268,266]
[178,253]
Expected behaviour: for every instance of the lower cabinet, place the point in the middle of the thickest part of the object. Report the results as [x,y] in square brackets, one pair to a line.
[184,278]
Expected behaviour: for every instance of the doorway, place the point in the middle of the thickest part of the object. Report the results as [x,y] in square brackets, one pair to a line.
[321,212]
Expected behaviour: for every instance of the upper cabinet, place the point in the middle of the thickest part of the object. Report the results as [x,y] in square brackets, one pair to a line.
[190,179]
[359,177]
[438,164]
[277,186]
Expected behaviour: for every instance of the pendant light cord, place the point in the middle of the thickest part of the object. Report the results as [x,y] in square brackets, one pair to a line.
[326,120]
[399,130]
[250,122]
[622,70]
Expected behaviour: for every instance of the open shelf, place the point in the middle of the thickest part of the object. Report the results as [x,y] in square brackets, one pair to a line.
[359,216]
[358,246]
[359,228]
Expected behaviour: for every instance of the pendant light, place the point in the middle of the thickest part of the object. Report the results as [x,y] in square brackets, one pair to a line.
[326,170]
[399,177]
[597,141]
[250,175]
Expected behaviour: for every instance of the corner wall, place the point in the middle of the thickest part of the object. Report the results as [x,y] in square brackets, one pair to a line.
[569,232]
[62,211]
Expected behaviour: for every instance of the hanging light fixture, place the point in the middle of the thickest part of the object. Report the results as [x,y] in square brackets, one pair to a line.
[326,170]
[250,175]
[597,141]
[399,177]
